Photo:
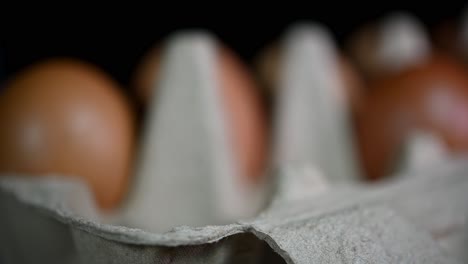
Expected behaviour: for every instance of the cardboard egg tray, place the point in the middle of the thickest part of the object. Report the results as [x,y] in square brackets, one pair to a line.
[314,210]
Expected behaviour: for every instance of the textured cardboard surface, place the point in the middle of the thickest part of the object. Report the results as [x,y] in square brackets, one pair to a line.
[410,221]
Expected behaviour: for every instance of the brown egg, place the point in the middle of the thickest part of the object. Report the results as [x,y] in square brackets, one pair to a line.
[67,118]
[431,97]
[245,111]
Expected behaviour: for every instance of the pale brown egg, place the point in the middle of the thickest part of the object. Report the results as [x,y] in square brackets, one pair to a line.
[67,118]
[245,113]
[430,97]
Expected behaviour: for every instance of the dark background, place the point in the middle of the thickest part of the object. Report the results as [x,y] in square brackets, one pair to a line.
[116,42]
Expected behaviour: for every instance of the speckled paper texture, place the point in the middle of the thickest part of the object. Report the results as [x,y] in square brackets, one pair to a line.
[420,219]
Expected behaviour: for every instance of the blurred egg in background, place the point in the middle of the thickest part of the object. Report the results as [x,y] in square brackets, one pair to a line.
[67,117]
[431,97]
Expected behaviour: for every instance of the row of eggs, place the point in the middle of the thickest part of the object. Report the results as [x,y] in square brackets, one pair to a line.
[67,117]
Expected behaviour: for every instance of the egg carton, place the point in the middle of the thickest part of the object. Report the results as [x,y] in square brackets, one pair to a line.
[313,210]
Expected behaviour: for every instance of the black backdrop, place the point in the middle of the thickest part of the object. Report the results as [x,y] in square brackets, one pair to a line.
[117,41]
